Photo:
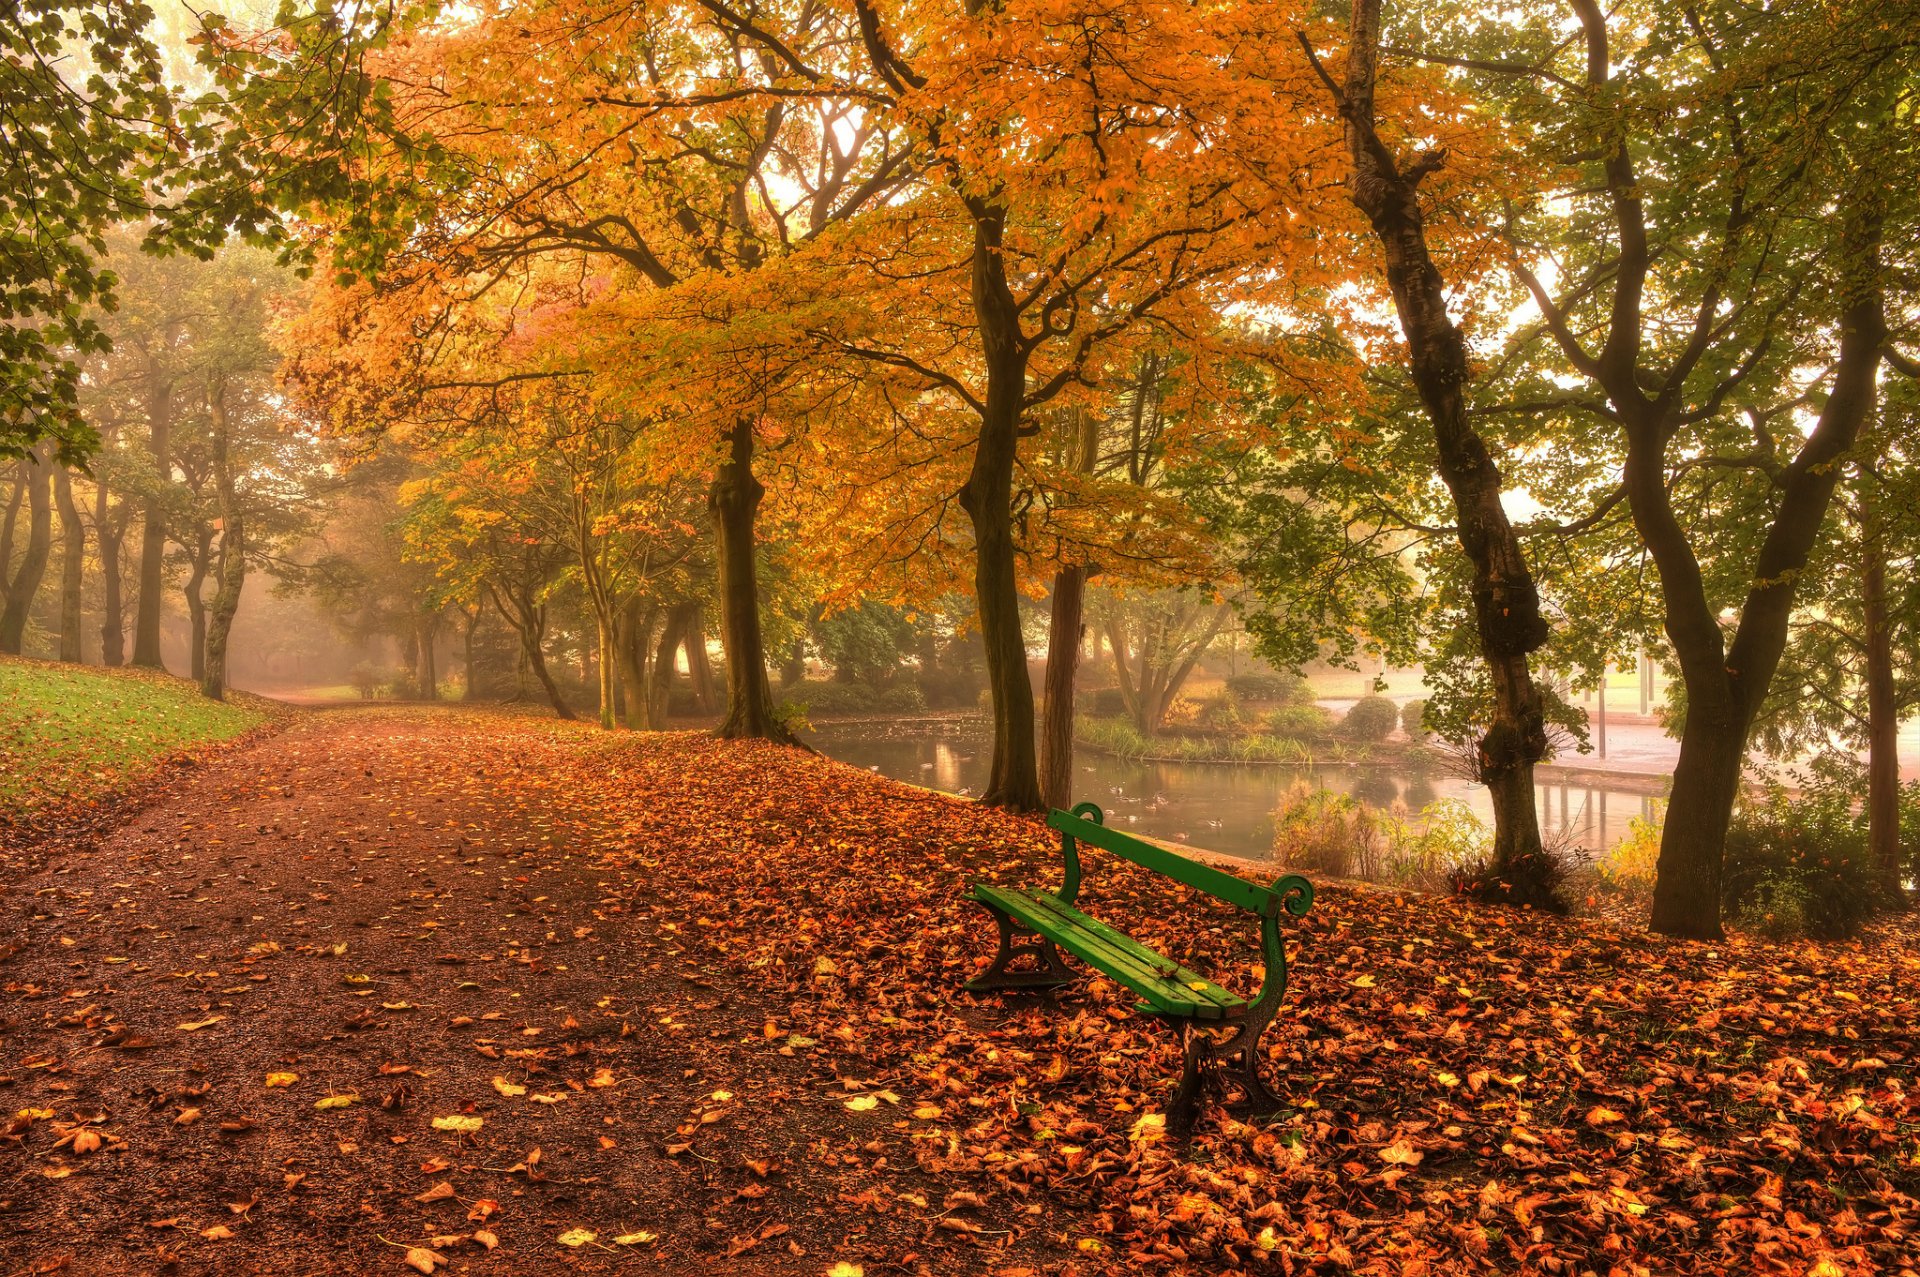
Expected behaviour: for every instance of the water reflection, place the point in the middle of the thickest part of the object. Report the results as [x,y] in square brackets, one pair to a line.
[1224,807]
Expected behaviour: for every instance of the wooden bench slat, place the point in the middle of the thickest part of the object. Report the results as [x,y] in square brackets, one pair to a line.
[1215,882]
[1168,987]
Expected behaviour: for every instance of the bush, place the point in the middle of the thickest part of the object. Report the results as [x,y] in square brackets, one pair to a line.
[1533,881]
[1797,864]
[1371,720]
[1220,712]
[949,689]
[1270,689]
[1108,702]
[1631,864]
[1298,722]
[816,697]
[901,698]
[364,679]
[1342,836]
[1413,720]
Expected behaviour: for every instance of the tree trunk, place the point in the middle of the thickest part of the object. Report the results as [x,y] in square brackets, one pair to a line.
[212,647]
[607,647]
[1064,630]
[529,621]
[226,601]
[73,566]
[1726,683]
[734,501]
[987,497]
[1883,720]
[110,532]
[470,621]
[196,605]
[699,667]
[153,527]
[1506,603]
[660,675]
[37,477]
[426,628]
[635,632]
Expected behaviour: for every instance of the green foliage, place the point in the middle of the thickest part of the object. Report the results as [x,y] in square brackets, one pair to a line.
[864,644]
[1413,720]
[1278,688]
[1371,720]
[1220,712]
[818,697]
[1797,864]
[1304,722]
[1339,835]
[70,733]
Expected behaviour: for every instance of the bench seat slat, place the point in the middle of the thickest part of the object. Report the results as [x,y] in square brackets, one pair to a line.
[1167,987]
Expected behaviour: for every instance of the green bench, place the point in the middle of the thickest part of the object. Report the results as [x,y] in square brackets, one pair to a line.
[1037,924]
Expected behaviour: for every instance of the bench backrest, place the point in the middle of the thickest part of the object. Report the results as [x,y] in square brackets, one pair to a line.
[1085,824]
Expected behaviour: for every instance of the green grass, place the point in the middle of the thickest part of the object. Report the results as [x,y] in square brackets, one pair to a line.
[73,734]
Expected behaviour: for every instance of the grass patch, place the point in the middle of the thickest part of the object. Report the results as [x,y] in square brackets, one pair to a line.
[74,734]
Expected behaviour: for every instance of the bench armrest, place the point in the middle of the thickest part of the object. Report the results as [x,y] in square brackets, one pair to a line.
[1070,851]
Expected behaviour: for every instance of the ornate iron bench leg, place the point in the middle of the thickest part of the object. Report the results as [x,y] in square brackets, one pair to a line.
[1244,1046]
[1197,1073]
[1051,974]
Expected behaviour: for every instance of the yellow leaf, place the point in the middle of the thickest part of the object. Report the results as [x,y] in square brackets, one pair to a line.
[335,1101]
[282,1079]
[639,1237]
[464,1125]
[192,1025]
[844,1269]
[861,1103]
[1363,982]
[576,1237]
[1401,1153]
[508,1089]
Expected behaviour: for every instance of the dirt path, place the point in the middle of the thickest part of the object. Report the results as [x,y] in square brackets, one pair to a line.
[400,908]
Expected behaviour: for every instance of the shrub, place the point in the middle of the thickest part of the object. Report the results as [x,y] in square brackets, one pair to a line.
[1299,722]
[817,697]
[1108,702]
[1535,881]
[1797,864]
[1270,689]
[949,689]
[1220,712]
[901,698]
[1630,865]
[1343,836]
[1413,720]
[1372,719]
[364,679]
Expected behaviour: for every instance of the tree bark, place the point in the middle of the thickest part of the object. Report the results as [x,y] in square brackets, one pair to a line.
[202,561]
[37,477]
[73,566]
[470,621]
[699,666]
[426,673]
[153,527]
[987,497]
[110,533]
[529,620]
[233,551]
[1506,603]
[734,501]
[661,671]
[635,633]
[1064,630]
[1883,718]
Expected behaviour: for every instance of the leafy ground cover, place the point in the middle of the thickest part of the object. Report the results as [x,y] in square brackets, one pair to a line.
[396,990]
[72,736]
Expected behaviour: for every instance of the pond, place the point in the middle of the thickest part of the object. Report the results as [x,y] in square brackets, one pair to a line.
[1226,807]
